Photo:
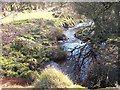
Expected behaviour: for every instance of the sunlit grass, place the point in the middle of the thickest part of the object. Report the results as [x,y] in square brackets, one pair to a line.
[54,78]
[27,15]
[17,17]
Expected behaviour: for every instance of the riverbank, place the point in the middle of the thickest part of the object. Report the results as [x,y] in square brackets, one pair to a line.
[27,45]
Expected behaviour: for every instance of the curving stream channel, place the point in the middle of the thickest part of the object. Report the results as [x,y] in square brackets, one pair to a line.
[72,42]
[72,46]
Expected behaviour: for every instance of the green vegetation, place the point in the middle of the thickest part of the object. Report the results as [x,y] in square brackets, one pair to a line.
[28,17]
[24,16]
[52,78]
[14,68]
[30,40]
[30,51]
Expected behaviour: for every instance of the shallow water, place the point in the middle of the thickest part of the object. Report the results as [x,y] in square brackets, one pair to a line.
[72,42]
[72,46]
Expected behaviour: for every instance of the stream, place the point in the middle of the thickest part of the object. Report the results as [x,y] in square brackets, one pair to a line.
[72,46]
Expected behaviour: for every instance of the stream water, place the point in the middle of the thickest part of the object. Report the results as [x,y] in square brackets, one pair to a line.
[72,46]
[72,42]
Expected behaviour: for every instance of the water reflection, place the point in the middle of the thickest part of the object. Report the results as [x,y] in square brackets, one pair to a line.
[72,46]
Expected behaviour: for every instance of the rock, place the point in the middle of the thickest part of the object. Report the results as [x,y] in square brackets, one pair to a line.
[58,55]
[61,37]
[53,64]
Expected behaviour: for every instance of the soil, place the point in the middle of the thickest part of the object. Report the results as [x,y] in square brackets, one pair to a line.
[4,82]
[10,32]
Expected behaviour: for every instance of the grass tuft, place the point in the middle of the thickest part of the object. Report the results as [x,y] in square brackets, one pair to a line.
[53,78]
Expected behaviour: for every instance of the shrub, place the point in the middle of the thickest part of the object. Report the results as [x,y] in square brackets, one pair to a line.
[53,78]
[57,55]
[11,68]
[55,34]
[24,56]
